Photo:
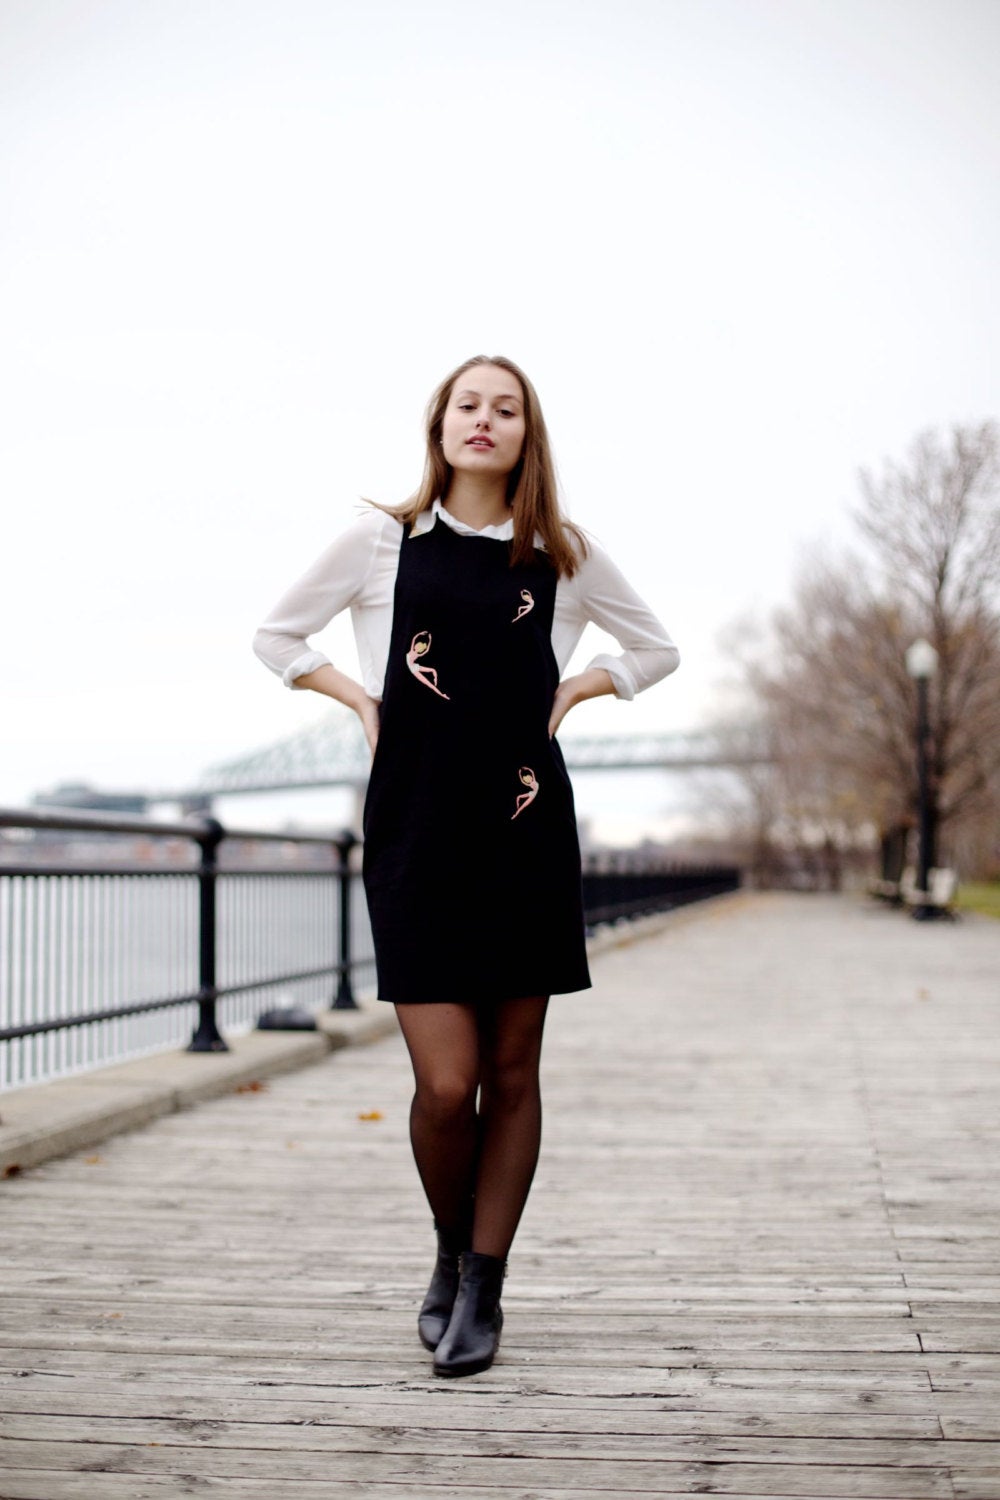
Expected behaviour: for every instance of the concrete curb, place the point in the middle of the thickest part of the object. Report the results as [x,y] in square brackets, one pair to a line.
[46,1120]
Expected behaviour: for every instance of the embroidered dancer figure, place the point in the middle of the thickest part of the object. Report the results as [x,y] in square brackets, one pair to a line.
[419,646]
[529,604]
[529,778]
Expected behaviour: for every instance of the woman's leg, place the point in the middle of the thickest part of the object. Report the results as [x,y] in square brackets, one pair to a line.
[510,1108]
[443,1042]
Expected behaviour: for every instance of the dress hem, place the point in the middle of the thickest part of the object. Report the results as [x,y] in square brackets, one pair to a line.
[488,999]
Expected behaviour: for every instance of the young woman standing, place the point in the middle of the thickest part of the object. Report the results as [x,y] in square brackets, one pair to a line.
[467,602]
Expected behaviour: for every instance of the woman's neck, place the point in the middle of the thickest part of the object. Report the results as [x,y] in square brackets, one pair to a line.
[477,500]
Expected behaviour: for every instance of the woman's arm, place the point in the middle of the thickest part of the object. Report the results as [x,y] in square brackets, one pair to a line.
[600,592]
[608,599]
[330,585]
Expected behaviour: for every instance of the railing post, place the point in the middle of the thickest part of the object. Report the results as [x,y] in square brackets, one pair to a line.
[345,989]
[207,1037]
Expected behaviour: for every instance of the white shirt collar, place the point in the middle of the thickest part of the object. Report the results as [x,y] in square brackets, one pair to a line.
[502,533]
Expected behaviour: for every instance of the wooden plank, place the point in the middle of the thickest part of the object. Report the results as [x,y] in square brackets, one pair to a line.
[840,1328]
[925,1371]
[649,1356]
[49,1484]
[534,1293]
[422,1473]
[442,1441]
[590,1416]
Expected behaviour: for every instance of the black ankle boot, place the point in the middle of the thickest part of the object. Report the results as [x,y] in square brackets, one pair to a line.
[435,1313]
[473,1335]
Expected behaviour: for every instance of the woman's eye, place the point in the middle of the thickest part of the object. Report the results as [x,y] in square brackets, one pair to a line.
[505,413]
[466,406]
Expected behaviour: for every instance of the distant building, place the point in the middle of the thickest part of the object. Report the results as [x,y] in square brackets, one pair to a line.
[81,794]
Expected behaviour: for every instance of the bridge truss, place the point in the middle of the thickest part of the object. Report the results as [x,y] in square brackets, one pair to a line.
[333,752]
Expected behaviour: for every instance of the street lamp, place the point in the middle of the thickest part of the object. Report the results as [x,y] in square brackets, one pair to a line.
[922,663]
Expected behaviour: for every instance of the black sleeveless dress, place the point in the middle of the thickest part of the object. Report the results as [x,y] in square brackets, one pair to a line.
[471,860]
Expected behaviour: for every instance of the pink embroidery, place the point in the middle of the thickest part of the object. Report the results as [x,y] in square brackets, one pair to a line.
[528,605]
[527,775]
[419,646]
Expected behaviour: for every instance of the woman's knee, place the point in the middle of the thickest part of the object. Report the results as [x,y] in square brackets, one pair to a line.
[509,1082]
[446,1095]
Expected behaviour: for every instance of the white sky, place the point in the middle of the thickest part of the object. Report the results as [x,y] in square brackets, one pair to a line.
[741,246]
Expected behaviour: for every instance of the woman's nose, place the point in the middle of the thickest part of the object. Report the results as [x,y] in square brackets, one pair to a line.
[483,420]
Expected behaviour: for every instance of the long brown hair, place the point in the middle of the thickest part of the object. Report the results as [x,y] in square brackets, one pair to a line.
[531,484]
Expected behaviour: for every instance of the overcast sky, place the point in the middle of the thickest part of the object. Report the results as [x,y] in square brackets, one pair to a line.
[741,247]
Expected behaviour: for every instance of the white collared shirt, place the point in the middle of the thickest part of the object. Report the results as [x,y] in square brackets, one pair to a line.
[358,571]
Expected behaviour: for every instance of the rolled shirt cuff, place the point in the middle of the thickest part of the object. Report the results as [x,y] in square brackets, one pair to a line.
[303,664]
[621,677]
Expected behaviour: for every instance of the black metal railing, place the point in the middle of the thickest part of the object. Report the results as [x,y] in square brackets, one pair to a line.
[112,927]
[620,885]
[108,919]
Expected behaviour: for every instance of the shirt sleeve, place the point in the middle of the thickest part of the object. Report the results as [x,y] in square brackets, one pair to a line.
[333,582]
[608,599]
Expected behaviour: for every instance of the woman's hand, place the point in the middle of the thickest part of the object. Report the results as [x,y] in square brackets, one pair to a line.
[561,705]
[333,683]
[367,711]
[572,690]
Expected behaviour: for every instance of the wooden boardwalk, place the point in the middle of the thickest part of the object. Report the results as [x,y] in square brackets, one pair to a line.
[762,1256]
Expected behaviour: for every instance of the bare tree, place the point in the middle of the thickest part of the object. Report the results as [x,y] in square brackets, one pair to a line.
[934,526]
[831,683]
[934,523]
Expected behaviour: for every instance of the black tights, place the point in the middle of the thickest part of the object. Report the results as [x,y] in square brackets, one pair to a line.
[473,1164]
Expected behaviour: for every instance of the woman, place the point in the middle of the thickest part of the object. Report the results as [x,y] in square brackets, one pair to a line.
[467,602]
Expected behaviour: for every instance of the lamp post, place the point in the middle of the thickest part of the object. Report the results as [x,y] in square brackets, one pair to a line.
[922,663]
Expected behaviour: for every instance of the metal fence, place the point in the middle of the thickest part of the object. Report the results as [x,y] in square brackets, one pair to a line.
[619,885]
[123,936]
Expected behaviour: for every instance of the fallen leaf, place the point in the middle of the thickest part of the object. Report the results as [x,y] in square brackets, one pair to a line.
[372,1114]
[255,1086]
[12,1169]
[92,1161]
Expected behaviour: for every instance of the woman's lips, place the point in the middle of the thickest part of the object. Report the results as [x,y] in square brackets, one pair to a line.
[479,442]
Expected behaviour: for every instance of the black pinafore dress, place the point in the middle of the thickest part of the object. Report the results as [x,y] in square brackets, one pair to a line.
[471,859]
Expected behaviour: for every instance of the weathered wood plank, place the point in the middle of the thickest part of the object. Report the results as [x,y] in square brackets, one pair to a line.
[424,1472]
[443,1440]
[644,1357]
[631,1284]
[156,1403]
[946,1371]
[839,1328]
[49,1484]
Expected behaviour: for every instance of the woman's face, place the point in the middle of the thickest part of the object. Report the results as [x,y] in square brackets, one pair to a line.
[483,427]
